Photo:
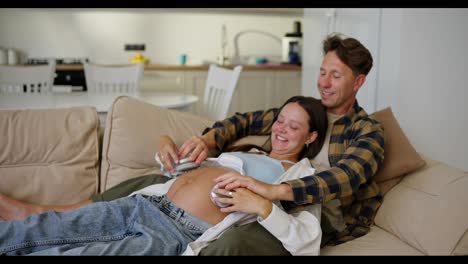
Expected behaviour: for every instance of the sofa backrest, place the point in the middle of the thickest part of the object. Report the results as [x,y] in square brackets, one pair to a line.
[49,156]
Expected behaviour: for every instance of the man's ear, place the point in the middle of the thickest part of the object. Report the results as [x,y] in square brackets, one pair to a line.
[312,137]
[360,80]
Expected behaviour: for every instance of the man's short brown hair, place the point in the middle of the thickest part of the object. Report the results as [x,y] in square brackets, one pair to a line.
[350,51]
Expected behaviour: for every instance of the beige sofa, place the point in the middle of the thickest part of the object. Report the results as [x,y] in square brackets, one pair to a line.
[59,157]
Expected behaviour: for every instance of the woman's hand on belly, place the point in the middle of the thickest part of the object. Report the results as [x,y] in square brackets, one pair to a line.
[246,201]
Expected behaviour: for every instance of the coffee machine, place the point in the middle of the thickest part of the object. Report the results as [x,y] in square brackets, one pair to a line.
[292,46]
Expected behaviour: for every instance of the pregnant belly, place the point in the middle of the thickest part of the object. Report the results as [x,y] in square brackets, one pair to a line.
[191,192]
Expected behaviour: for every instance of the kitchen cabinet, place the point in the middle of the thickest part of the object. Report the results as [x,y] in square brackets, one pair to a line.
[287,84]
[164,81]
[195,82]
[256,89]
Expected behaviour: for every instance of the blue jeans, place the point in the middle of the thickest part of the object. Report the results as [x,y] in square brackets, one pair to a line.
[134,225]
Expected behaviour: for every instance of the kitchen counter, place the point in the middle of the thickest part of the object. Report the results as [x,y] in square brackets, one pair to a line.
[161,67]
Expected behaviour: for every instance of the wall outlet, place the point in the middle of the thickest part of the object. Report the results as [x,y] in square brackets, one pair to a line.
[137,47]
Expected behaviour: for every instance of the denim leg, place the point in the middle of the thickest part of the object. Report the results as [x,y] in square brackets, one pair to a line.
[98,221]
[127,226]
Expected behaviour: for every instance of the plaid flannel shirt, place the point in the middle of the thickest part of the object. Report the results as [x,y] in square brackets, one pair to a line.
[355,153]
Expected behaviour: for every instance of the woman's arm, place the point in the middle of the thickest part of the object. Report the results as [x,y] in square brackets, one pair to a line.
[299,233]
[167,152]
[244,200]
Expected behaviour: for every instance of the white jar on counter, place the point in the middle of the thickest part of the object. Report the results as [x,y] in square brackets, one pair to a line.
[13,57]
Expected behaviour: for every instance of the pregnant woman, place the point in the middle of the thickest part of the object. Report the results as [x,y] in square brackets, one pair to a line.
[165,218]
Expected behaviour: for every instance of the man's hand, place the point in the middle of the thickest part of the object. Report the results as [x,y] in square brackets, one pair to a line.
[198,147]
[233,180]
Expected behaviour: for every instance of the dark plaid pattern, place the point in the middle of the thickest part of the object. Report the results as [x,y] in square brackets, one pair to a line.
[355,153]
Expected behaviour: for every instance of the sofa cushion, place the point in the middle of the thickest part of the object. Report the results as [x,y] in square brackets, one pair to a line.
[400,157]
[427,209]
[49,156]
[133,128]
[376,242]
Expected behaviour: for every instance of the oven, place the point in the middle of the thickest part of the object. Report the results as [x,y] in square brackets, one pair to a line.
[69,73]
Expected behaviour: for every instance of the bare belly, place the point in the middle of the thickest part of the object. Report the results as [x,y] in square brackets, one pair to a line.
[191,192]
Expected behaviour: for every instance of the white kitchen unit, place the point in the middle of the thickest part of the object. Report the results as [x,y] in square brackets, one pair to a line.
[164,81]
[259,90]
[256,89]
[287,84]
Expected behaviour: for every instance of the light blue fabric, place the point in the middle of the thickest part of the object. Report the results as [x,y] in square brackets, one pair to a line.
[134,225]
[261,167]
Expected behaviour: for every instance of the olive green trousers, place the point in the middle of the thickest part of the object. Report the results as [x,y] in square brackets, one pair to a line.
[246,240]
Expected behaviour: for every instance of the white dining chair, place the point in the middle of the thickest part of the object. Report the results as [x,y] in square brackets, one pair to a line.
[108,79]
[220,86]
[27,79]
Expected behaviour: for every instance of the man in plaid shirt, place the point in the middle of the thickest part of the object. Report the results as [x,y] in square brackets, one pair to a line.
[344,182]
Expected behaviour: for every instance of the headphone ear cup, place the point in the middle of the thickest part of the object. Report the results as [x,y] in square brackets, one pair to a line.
[214,194]
[186,166]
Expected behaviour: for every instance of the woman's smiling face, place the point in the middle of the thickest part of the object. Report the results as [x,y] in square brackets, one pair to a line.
[290,132]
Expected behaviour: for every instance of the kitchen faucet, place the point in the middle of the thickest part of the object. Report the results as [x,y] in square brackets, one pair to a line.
[223,58]
[237,56]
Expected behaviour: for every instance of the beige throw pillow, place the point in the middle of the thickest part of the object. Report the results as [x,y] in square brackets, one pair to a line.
[400,156]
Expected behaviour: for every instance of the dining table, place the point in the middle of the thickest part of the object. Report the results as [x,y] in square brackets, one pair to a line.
[101,101]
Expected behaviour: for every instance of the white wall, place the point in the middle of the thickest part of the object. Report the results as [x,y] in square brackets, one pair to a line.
[431,99]
[421,63]
[389,61]
[101,34]
[315,30]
